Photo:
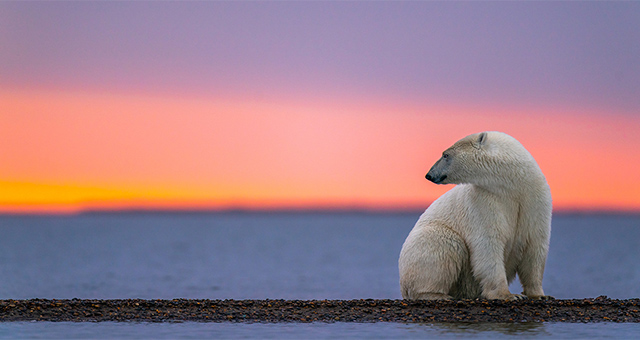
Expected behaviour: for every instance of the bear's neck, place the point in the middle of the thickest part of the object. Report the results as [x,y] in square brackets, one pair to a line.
[514,186]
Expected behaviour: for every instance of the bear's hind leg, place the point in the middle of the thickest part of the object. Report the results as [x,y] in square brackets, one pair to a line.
[431,264]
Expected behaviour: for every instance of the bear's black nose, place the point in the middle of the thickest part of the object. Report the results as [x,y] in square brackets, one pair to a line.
[436,180]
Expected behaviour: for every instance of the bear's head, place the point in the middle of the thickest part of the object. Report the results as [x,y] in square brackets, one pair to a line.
[485,158]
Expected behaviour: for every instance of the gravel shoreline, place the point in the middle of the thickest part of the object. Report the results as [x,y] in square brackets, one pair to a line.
[580,310]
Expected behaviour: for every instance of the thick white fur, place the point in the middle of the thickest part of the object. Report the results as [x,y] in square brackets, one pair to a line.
[473,240]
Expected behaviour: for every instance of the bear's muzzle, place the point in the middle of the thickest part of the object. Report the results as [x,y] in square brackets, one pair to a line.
[436,180]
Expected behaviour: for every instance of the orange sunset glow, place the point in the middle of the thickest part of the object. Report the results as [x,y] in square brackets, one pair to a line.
[146,121]
[72,151]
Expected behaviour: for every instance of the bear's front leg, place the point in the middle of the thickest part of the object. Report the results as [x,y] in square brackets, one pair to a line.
[488,268]
[531,268]
[502,295]
[530,272]
[497,288]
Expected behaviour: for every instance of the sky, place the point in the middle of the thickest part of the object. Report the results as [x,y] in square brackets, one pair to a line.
[260,105]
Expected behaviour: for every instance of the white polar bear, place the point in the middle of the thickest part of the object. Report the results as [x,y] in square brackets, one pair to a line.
[496,223]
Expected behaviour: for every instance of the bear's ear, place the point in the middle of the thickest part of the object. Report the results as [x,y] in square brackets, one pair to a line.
[482,139]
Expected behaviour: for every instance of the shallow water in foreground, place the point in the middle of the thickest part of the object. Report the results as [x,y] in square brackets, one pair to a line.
[196,330]
[279,256]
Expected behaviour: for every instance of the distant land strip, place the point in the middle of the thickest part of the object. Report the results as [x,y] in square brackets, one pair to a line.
[601,309]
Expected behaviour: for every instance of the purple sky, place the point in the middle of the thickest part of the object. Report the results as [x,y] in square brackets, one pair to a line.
[567,54]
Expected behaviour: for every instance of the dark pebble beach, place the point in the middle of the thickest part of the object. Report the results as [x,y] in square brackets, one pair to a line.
[585,310]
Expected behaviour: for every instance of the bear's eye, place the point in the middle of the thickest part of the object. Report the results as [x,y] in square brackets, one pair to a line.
[445,155]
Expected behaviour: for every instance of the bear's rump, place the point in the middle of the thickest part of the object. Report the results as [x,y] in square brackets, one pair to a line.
[436,260]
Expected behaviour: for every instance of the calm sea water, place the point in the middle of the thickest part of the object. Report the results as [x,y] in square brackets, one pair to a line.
[279,256]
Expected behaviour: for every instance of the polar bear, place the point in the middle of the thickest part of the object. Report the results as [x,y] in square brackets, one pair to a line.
[495,223]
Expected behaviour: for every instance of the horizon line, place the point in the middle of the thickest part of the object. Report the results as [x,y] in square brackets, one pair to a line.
[283,209]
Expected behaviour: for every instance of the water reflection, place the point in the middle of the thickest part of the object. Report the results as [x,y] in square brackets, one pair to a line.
[486,328]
